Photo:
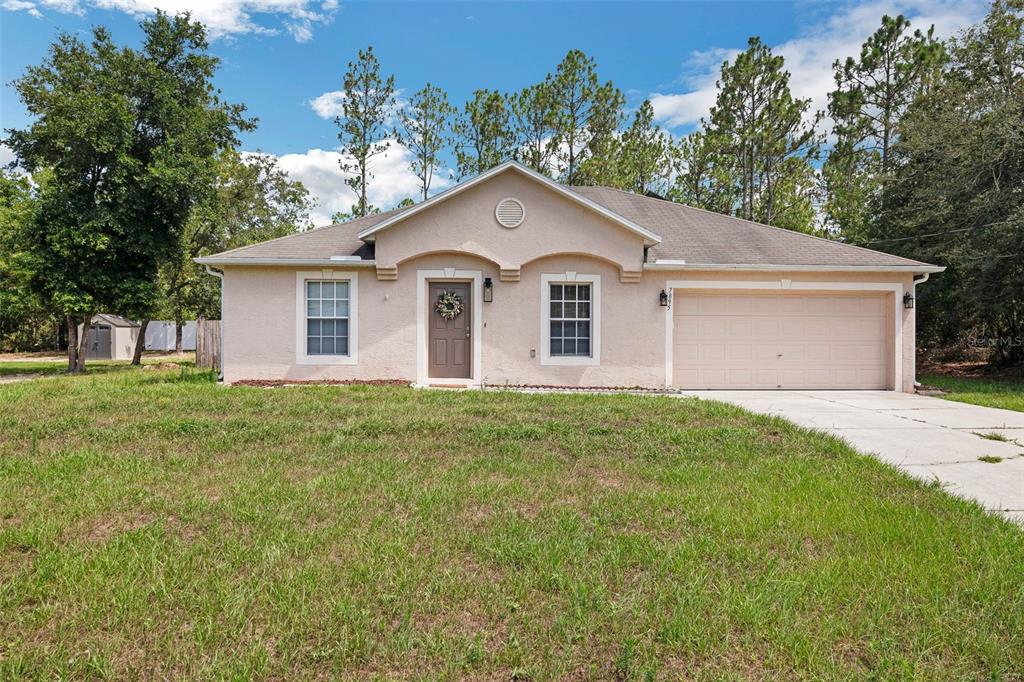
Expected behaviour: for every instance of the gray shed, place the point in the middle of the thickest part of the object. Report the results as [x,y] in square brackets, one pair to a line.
[111,337]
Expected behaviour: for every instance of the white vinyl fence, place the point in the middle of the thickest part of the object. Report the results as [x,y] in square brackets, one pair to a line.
[160,335]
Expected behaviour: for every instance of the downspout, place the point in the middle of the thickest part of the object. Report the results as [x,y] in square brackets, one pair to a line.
[219,274]
[918,279]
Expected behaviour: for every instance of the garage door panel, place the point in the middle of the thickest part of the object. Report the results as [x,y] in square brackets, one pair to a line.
[739,328]
[791,340]
[765,352]
[817,352]
[738,352]
[711,327]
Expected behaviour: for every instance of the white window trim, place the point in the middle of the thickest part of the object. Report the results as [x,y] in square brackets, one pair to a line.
[423,279]
[792,285]
[301,277]
[546,280]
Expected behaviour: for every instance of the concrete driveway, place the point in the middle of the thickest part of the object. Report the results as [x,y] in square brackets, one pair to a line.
[929,438]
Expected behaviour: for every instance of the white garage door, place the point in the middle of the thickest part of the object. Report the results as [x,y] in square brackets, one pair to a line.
[743,340]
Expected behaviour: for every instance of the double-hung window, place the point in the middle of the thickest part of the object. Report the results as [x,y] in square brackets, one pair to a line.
[571,319]
[326,317]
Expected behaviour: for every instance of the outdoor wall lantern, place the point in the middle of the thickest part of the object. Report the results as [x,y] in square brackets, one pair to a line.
[908,301]
[488,290]
[663,299]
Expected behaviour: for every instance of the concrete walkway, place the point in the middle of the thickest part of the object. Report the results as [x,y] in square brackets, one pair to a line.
[930,438]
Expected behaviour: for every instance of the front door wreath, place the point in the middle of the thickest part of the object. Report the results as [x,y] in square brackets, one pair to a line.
[449,305]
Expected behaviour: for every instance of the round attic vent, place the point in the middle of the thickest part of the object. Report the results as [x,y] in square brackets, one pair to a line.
[510,212]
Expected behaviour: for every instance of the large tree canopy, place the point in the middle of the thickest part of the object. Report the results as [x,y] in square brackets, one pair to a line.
[956,191]
[129,140]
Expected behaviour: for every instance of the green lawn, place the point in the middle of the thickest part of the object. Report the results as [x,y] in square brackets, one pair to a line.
[155,524]
[1006,394]
[54,367]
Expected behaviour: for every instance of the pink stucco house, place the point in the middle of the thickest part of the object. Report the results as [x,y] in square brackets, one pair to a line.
[511,278]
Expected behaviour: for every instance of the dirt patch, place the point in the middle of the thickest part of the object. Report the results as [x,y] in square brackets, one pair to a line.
[14,378]
[161,366]
[103,529]
[972,370]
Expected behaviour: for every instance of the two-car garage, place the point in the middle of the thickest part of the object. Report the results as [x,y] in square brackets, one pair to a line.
[742,339]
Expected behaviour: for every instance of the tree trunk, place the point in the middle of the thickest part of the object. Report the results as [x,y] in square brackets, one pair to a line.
[178,324]
[72,343]
[77,343]
[140,343]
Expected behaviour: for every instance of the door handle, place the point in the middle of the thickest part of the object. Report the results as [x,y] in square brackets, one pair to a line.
[467,333]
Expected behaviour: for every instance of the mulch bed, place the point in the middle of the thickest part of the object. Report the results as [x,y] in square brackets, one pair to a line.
[274,383]
[581,389]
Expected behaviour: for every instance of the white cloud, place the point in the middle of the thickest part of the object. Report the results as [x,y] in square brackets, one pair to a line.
[6,156]
[22,5]
[809,57]
[328,105]
[320,171]
[221,17]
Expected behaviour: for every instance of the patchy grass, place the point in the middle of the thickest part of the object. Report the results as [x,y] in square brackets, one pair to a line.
[1004,393]
[155,524]
[56,367]
[990,459]
[993,436]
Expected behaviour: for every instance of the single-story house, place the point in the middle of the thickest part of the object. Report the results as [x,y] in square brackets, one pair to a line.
[510,278]
[111,337]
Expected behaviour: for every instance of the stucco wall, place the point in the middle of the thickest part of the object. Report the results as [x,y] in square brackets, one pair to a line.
[465,223]
[260,315]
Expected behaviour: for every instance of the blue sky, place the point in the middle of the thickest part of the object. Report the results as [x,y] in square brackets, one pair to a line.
[284,58]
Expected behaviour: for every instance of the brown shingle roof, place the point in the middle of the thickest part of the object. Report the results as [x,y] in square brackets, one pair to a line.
[688,234]
[320,242]
[704,238]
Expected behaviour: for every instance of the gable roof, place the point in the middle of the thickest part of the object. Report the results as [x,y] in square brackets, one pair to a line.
[676,235]
[698,237]
[510,166]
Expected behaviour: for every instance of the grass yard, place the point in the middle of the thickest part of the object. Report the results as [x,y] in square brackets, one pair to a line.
[55,367]
[1005,393]
[155,524]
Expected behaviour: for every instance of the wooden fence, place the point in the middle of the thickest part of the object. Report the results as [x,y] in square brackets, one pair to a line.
[208,344]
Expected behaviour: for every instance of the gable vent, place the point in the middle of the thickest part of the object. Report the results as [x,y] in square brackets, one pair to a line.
[510,212]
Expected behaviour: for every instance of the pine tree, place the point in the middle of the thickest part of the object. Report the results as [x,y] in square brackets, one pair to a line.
[872,93]
[367,105]
[586,121]
[704,175]
[644,157]
[424,130]
[533,112]
[761,125]
[483,136]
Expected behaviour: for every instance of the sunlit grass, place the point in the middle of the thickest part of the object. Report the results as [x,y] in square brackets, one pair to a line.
[1006,394]
[155,524]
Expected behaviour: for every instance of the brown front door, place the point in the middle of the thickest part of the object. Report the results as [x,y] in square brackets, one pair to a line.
[449,341]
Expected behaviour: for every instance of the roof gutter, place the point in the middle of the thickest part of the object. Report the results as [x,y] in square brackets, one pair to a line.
[682,265]
[320,262]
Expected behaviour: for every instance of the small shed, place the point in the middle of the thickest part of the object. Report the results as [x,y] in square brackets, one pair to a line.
[111,337]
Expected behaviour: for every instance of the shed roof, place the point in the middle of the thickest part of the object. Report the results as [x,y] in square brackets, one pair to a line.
[113,320]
